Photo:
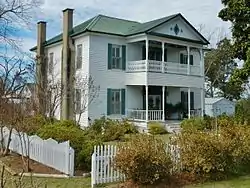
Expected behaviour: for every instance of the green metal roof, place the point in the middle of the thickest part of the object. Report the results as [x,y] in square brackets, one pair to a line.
[114,26]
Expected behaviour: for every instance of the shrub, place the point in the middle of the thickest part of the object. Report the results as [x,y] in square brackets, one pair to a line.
[242,111]
[196,124]
[79,140]
[143,160]
[156,128]
[209,156]
[225,121]
[110,130]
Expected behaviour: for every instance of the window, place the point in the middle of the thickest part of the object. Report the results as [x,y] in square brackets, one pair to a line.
[184,59]
[51,62]
[116,57]
[116,101]
[79,56]
[78,100]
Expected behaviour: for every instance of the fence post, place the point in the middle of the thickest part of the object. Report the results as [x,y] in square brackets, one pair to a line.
[93,168]
[67,156]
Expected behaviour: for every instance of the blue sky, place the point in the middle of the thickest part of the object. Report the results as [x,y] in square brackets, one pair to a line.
[196,11]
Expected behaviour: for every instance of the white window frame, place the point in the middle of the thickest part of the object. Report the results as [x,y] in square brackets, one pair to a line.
[79,50]
[116,106]
[51,63]
[185,56]
[116,58]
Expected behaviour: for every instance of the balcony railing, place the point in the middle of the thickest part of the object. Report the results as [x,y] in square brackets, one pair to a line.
[140,115]
[162,67]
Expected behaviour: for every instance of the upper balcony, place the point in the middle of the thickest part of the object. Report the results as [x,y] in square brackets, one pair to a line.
[161,57]
[162,63]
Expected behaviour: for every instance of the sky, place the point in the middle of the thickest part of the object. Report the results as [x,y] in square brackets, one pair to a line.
[197,12]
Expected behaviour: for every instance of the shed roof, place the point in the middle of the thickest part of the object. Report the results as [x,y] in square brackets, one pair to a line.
[215,100]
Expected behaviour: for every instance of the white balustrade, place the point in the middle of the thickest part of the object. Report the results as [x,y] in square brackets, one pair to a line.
[140,115]
[162,67]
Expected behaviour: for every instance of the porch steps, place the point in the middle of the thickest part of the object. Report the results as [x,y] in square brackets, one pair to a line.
[174,127]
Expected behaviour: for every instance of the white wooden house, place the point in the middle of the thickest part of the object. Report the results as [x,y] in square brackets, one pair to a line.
[141,68]
[218,106]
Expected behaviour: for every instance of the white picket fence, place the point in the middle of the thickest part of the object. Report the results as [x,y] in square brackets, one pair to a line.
[59,156]
[102,170]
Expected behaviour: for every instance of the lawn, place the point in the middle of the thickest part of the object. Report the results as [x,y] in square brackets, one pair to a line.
[242,182]
[48,182]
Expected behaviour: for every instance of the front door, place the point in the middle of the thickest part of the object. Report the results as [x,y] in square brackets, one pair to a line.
[154,102]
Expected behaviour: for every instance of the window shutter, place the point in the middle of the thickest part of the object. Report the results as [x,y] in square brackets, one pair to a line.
[192,100]
[181,59]
[109,101]
[191,60]
[123,105]
[123,57]
[109,56]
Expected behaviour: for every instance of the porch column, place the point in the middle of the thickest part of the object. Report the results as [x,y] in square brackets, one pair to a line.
[189,107]
[202,102]
[146,87]
[163,103]
[188,60]
[163,55]
[147,46]
[201,62]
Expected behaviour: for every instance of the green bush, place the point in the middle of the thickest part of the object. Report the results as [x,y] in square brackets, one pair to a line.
[143,160]
[110,130]
[155,128]
[242,111]
[79,140]
[209,156]
[196,124]
[225,121]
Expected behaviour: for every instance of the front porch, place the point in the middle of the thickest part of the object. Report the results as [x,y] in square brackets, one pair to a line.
[160,103]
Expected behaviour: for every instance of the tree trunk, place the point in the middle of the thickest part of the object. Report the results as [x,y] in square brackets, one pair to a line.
[6,151]
[2,140]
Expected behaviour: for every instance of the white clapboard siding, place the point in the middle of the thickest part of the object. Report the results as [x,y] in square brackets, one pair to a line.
[102,170]
[59,156]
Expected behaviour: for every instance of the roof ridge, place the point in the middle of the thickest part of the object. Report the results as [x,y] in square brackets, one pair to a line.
[93,22]
[112,17]
[171,15]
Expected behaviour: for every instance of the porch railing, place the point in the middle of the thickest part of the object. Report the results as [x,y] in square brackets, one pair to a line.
[196,113]
[140,115]
[165,67]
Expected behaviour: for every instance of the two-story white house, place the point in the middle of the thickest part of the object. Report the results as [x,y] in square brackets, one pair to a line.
[151,71]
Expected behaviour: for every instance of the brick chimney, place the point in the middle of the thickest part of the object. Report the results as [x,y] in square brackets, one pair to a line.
[67,67]
[41,67]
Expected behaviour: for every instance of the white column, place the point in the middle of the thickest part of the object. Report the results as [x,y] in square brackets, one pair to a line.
[202,102]
[188,60]
[163,54]
[201,62]
[163,103]
[146,87]
[147,46]
[189,106]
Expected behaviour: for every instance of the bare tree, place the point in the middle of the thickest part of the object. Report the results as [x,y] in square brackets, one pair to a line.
[15,71]
[86,92]
[15,14]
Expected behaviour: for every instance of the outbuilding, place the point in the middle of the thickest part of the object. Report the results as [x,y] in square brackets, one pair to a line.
[219,106]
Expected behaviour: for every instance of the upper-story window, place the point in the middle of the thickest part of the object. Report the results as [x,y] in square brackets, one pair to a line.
[79,56]
[51,62]
[184,59]
[116,56]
